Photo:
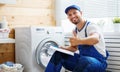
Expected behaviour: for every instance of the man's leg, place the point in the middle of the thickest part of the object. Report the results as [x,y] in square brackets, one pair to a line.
[89,64]
[55,62]
[71,62]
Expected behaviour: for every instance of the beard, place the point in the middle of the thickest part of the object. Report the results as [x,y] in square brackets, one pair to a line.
[76,21]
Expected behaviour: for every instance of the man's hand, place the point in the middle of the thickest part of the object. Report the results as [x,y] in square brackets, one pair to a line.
[70,48]
[74,41]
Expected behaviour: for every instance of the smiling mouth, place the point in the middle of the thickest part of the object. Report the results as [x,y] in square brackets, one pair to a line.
[74,20]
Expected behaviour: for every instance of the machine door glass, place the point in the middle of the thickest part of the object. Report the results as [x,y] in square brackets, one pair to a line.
[44,52]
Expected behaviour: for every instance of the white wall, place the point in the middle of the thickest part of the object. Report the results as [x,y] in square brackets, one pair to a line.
[90,8]
[60,8]
[105,9]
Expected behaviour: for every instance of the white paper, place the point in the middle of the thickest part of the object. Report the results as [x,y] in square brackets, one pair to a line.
[62,50]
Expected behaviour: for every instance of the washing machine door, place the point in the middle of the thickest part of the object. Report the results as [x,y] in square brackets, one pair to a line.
[43,51]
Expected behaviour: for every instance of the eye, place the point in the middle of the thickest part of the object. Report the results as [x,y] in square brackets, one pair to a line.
[74,12]
[69,15]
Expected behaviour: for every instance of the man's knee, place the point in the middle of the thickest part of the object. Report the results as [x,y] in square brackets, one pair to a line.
[89,64]
[58,57]
[94,67]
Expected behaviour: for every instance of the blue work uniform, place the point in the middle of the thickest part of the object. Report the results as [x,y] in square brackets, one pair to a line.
[89,60]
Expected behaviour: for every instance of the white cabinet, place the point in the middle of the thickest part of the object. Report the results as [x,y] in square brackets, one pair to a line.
[7,1]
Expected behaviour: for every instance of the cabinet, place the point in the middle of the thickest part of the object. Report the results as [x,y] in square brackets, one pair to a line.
[7,50]
[7,1]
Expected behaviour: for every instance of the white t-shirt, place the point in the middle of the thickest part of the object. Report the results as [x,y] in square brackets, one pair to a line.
[92,28]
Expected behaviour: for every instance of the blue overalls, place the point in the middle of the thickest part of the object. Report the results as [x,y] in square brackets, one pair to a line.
[89,60]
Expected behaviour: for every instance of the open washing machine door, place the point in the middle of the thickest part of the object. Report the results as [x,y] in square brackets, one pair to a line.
[44,52]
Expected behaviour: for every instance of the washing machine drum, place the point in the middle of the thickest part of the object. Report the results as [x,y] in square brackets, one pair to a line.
[44,52]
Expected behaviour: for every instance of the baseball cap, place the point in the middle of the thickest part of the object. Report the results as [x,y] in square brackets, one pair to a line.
[72,7]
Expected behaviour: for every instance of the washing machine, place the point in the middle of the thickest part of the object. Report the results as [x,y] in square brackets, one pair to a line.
[32,46]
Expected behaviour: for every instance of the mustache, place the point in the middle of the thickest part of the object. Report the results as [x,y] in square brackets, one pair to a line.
[77,22]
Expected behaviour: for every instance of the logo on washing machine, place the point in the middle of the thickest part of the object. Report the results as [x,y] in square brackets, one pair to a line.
[40,29]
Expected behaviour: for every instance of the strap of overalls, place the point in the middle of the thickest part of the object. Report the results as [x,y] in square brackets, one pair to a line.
[107,54]
[99,56]
[85,28]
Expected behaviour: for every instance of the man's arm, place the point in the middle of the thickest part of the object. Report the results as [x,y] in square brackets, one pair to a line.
[90,40]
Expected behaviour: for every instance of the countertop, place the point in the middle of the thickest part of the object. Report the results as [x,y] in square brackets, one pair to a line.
[7,40]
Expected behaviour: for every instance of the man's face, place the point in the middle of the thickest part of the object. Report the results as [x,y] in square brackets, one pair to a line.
[74,16]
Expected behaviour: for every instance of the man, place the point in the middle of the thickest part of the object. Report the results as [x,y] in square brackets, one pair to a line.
[88,39]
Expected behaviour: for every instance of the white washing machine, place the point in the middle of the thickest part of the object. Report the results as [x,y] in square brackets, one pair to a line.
[32,46]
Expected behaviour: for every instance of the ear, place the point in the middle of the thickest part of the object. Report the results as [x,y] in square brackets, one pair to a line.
[81,12]
[67,17]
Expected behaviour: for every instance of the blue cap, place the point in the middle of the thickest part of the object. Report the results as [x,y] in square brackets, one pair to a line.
[72,7]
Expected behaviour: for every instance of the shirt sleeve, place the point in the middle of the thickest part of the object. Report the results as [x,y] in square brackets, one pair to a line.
[92,28]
